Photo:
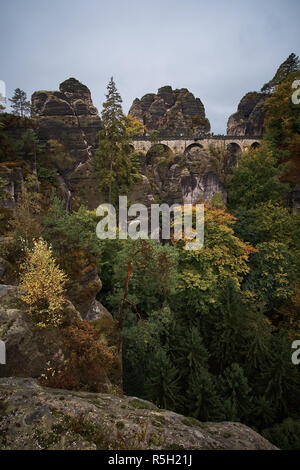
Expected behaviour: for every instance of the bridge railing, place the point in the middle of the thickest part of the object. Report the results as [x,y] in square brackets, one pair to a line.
[196,138]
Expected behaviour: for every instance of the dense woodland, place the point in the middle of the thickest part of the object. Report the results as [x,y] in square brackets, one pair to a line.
[205,333]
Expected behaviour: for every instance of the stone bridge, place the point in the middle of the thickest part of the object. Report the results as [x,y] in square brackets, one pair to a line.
[179,145]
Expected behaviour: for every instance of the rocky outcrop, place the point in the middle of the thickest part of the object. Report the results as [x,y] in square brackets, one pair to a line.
[71,111]
[249,118]
[69,123]
[192,177]
[37,418]
[11,176]
[171,112]
[30,350]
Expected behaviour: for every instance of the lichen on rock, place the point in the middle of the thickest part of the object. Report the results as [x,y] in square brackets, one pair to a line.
[37,418]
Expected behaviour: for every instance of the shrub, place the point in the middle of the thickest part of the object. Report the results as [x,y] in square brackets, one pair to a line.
[43,284]
[91,360]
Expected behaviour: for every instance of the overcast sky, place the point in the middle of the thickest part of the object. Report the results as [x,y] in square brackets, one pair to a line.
[217,49]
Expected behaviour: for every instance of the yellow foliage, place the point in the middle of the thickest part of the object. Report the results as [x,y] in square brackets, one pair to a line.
[43,284]
[289,314]
[134,126]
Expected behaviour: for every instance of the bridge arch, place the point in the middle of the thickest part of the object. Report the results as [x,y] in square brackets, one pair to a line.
[255,145]
[158,151]
[234,148]
[193,146]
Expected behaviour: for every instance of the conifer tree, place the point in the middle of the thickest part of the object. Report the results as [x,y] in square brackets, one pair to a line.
[290,65]
[19,103]
[163,386]
[236,392]
[115,161]
[280,380]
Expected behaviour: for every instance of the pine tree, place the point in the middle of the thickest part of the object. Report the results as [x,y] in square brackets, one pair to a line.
[115,161]
[198,385]
[19,103]
[290,65]
[202,399]
[236,393]
[280,380]
[227,328]
[163,386]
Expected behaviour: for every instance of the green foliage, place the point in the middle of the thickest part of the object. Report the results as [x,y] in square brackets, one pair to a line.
[282,123]
[290,65]
[8,147]
[154,136]
[29,146]
[256,179]
[46,174]
[286,436]
[279,381]
[68,232]
[19,103]
[116,163]
[147,291]
[268,222]
[163,381]
[236,392]
[217,201]
[273,273]
[204,273]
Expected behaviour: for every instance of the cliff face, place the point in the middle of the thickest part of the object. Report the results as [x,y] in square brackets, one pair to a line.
[249,118]
[37,418]
[69,110]
[69,122]
[171,112]
[188,178]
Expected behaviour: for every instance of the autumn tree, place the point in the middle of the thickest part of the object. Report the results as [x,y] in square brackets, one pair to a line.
[43,284]
[134,126]
[282,123]
[203,273]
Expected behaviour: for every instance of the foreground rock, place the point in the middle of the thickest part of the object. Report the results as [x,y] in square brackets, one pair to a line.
[171,112]
[33,417]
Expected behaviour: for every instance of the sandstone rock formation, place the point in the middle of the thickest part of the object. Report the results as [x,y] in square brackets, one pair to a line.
[69,123]
[12,176]
[249,118]
[171,112]
[37,418]
[187,178]
[30,350]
